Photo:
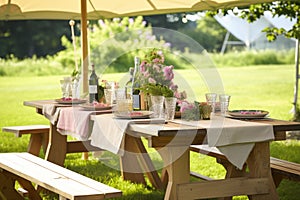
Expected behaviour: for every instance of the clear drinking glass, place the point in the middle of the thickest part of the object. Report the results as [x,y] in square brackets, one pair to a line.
[224,103]
[66,87]
[120,93]
[211,99]
[108,93]
[123,104]
[170,105]
[157,105]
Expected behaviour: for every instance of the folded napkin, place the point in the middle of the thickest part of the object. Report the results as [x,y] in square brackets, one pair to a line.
[75,122]
[108,131]
[234,138]
[51,112]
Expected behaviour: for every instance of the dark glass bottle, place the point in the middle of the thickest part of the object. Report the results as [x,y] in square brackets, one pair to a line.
[93,86]
[136,98]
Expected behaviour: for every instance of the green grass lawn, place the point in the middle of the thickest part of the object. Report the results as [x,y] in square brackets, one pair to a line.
[259,87]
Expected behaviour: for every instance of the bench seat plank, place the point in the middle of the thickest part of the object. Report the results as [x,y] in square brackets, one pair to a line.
[60,180]
[280,168]
[27,129]
[39,136]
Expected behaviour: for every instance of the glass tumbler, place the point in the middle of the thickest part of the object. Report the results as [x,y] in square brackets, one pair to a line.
[224,103]
[211,99]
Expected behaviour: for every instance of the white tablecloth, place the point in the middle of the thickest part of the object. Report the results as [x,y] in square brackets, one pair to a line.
[234,138]
[108,131]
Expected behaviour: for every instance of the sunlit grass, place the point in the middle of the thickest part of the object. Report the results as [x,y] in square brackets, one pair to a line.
[259,87]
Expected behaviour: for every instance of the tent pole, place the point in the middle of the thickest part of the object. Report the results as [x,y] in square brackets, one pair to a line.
[297,77]
[225,42]
[84,44]
[85,58]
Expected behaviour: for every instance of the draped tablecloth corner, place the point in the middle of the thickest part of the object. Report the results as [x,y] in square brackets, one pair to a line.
[234,138]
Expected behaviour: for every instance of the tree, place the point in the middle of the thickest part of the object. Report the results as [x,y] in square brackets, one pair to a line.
[26,38]
[290,9]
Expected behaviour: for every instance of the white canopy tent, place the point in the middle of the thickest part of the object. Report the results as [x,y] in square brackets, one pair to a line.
[249,32]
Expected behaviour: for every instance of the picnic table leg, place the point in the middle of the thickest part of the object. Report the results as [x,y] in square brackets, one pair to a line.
[259,167]
[176,160]
[129,164]
[231,172]
[57,147]
[147,165]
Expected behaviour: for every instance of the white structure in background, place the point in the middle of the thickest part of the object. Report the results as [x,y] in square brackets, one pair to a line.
[251,35]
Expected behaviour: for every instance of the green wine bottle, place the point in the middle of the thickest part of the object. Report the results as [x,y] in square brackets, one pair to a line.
[93,86]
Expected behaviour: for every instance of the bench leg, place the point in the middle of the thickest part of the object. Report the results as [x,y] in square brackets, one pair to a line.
[45,141]
[7,188]
[35,144]
[276,178]
[27,185]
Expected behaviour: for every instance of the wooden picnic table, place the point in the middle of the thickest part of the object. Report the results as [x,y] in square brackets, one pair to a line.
[171,142]
[58,144]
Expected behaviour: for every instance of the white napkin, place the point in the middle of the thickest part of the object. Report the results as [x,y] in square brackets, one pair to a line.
[51,112]
[108,131]
[234,138]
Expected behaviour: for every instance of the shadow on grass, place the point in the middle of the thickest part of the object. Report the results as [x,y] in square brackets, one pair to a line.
[95,169]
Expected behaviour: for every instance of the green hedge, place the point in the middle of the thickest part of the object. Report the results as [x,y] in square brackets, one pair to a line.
[58,65]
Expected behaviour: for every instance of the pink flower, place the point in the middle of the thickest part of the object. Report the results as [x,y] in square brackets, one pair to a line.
[183,95]
[168,72]
[156,60]
[156,68]
[173,86]
[146,74]
[186,106]
[151,80]
[143,67]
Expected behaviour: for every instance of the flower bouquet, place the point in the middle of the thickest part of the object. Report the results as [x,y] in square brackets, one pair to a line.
[195,111]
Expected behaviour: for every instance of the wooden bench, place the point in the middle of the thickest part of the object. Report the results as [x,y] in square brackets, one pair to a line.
[281,169]
[39,135]
[26,169]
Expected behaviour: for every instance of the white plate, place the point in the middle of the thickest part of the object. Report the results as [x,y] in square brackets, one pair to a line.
[134,115]
[248,114]
[92,107]
[71,101]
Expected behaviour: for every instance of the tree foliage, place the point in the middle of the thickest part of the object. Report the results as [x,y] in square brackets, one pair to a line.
[26,38]
[289,9]
[114,43]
